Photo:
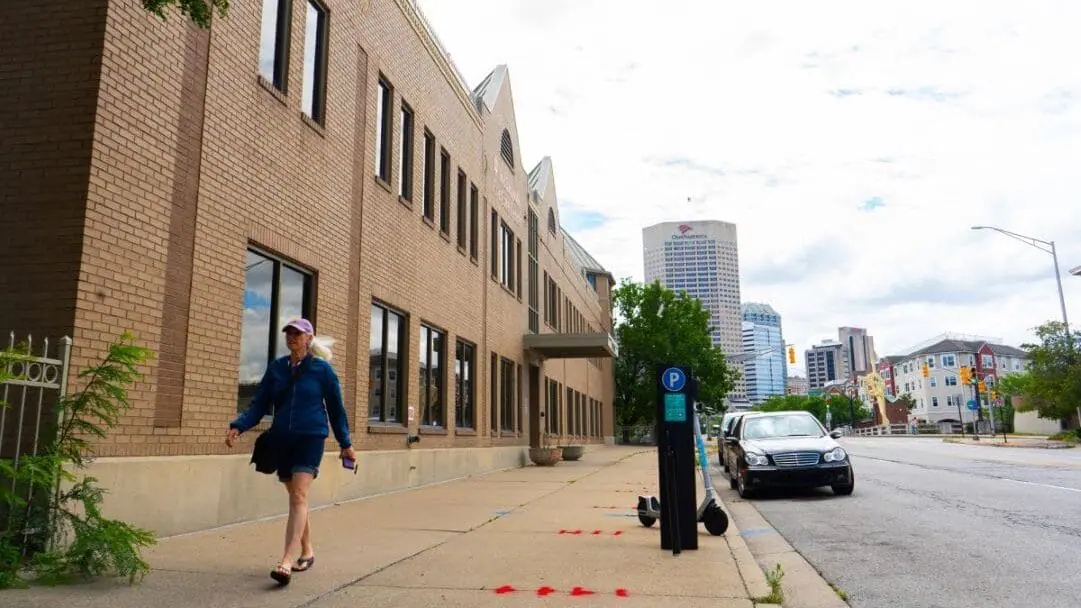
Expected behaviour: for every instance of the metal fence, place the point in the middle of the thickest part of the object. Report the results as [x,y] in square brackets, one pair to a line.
[35,382]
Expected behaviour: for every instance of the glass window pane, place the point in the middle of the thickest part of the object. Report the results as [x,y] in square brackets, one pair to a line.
[436,380]
[375,372]
[311,38]
[394,367]
[290,305]
[268,39]
[255,327]
[422,368]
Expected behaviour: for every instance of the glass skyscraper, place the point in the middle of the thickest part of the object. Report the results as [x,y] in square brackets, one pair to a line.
[765,368]
[702,259]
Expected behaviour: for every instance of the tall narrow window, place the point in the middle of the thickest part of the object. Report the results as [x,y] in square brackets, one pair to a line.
[509,386]
[386,396]
[474,220]
[532,287]
[313,97]
[493,253]
[405,160]
[383,129]
[464,361]
[463,212]
[428,205]
[518,268]
[493,398]
[506,275]
[444,192]
[274,42]
[274,292]
[431,376]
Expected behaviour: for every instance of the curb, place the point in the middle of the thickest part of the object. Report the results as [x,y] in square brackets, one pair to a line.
[1045,446]
[749,570]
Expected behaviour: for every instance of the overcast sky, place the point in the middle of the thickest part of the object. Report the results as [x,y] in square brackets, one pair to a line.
[853,144]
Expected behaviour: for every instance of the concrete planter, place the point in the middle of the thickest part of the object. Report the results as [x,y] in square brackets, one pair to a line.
[572,452]
[545,457]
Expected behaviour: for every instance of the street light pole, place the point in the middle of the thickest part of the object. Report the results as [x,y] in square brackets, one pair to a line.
[1061,298]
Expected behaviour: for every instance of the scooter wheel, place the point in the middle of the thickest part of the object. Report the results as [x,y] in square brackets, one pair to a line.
[648,521]
[715,520]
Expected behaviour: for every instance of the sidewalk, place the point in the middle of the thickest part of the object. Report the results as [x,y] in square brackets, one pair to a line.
[1012,442]
[560,536]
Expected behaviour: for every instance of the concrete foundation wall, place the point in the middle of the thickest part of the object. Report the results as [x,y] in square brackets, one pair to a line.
[177,494]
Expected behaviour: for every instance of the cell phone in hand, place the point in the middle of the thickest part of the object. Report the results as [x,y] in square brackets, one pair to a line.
[349,463]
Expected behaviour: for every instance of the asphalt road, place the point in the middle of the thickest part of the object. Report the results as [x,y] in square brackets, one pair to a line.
[943,525]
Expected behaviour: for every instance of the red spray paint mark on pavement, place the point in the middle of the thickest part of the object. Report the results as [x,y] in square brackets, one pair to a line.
[621,592]
[578,591]
[596,532]
[570,531]
[545,591]
[617,533]
[505,589]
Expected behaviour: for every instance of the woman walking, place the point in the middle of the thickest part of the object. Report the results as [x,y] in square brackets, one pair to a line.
[307,399]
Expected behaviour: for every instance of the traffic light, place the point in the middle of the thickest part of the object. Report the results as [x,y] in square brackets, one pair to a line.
[926,371]
[994,395]
[792,354]
[982,387]
[966,375]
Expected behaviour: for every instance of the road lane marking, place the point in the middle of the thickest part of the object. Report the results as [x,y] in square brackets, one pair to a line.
[972,473]
[1042,485]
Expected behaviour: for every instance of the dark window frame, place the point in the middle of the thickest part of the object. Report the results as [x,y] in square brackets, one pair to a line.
[465,399]
[508,386]
[463,210]
[474,221]
[428,188]
[401,371]
[493,396]
[283,33]
[444,191]
[384,140]
[322,53]
[407,129]
[428,334]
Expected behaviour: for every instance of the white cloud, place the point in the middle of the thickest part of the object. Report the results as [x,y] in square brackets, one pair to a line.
[787,117]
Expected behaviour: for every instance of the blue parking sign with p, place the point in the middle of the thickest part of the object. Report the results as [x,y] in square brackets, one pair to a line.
[673,379]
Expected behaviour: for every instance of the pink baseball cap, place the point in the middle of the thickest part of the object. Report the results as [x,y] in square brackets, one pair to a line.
[301,325]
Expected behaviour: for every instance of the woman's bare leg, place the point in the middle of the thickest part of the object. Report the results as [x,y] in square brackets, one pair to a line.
[297,526]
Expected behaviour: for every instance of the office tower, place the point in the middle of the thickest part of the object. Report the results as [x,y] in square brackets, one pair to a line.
[860,350]
[701,258]
[763,346]
[826,362]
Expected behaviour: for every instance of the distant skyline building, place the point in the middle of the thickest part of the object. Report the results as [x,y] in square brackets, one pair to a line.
[859,350]
[765,368]
[826,362]
[701,258]
[796,385]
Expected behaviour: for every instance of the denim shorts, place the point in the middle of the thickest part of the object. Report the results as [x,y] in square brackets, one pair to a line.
[300,454]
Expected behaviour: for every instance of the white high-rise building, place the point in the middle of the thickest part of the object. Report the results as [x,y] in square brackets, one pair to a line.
[701,258]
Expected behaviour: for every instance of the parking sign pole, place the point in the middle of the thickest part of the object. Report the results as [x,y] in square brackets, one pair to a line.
[676,458]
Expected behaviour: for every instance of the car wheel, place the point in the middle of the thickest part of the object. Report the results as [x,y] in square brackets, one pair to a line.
[845,489]
[741,487]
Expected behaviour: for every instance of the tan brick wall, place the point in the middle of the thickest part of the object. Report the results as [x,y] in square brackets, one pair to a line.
[182,115]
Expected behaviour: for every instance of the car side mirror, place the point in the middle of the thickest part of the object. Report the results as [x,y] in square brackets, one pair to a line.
[837,434]
[731,440]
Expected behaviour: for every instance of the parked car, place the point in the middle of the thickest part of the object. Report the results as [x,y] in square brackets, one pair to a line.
[727,424]
[786,449]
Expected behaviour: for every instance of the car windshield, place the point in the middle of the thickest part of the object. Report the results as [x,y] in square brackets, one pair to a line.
[769,427]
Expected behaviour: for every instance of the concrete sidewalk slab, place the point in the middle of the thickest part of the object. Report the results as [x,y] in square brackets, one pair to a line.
[462,543]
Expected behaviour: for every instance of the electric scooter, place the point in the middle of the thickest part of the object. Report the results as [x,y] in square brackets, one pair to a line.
[709,512]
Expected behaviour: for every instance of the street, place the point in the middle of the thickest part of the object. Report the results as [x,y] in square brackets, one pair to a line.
[933,524]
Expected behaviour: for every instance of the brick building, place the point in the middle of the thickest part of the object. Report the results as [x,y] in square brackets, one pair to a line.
[316,157]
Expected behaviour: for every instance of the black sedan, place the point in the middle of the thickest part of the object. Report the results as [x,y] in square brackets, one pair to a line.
[787,450]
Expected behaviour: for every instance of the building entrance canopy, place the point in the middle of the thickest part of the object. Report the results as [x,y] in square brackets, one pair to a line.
[571,346]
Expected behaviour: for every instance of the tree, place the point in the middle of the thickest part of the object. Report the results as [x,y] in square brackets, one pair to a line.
[907,400]
[840,413]
[201,12]
[1052,385]
[656,326]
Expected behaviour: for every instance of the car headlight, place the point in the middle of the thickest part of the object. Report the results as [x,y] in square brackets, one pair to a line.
[834,455]
[756,460]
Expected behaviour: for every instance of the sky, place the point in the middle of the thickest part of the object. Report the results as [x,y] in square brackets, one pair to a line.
[853,144]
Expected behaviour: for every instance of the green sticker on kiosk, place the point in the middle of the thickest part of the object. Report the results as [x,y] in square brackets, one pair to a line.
[675,407]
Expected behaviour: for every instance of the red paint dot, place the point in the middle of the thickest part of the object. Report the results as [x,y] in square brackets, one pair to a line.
[617,533]
[578,591]
[545,591]
[505,589]
[621,592]
[596,532]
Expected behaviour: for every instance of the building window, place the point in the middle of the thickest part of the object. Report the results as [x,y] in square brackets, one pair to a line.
[493,397]
[934,382]
[506,148]
[314,96]
[387,366]
[949,361]
[951,380]
[551,221]
[382,129]
[532,286]
[428,192]
[506,257]
[518,268]
[464,362]
[506,402]
[444,191]
[405,162]
[474,220]
[934,401]
[432,351]
[274,292]
[274,42]
[494,245]
[463,213]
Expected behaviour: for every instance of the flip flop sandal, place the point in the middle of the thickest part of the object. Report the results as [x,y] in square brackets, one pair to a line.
[282,574]
[304,563]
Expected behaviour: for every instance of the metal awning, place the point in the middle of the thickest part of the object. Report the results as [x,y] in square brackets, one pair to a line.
[571,346]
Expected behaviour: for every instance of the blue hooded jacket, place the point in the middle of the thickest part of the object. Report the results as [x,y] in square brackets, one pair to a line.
[303,407]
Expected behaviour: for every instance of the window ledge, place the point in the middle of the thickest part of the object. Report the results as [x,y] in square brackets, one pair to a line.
[462,250]
[445,235]
[319,129]
[475,260]
[433,430]
[389,428]
[383,183]
[273,90]
[464,432]
[429,221]
[408,204]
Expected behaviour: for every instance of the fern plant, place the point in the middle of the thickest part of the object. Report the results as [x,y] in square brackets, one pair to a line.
[59,533]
